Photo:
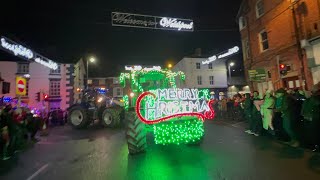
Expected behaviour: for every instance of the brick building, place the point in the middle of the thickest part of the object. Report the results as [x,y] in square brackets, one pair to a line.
[275,32]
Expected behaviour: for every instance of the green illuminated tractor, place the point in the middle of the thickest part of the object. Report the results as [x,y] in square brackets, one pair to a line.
[141,103]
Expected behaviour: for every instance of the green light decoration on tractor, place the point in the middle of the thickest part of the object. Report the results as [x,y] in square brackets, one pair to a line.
[175,115]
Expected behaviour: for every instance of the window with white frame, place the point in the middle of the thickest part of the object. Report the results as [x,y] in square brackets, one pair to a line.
[242,22]
[210,66]
[57,71]
[23,68]
[54,87]
[263,38]
[259,8]
[199,79]
[119,92]
[197,65]
[211,80]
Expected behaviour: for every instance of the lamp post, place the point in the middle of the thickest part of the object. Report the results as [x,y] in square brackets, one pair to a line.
[229,69]
[169,65]
[91,59]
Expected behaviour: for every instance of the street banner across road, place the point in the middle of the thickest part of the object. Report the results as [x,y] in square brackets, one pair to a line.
[21,86]
[151,22]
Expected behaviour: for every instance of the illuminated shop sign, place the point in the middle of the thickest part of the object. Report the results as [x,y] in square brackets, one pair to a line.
[164,104]
[21,51]
[139,68]
[151,22]
[222,55]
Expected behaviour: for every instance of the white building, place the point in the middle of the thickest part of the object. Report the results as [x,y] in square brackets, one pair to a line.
[198,75]
[60,85]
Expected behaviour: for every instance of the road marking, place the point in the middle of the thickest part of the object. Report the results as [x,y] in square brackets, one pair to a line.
[38,172]
[234,125]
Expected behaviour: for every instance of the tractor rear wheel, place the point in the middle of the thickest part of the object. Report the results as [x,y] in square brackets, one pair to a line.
[78,117]
[110,118]
[135,134]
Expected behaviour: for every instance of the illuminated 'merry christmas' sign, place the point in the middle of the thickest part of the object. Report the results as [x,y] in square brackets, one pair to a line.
[165,104]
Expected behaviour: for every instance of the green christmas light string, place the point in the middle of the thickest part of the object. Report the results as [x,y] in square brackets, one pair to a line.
[126,101]
[178,132]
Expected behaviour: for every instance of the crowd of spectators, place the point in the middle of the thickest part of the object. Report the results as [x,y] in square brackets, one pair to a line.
[286,115]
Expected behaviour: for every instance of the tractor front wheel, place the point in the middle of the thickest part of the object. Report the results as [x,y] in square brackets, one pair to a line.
[135,134]
[110,118]
[78,117]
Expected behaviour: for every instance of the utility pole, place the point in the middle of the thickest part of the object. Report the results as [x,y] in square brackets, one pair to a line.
[298,44]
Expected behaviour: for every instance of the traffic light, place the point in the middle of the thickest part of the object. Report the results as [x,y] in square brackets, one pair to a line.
[45,97]
[38,96]
[283,69]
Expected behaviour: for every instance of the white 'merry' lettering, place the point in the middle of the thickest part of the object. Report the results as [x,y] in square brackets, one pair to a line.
[17,49]
[174,23]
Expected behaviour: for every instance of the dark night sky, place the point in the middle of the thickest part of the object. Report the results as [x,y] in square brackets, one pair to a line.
[67,30]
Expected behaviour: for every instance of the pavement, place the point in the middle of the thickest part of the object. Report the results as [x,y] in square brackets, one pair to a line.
[226,153]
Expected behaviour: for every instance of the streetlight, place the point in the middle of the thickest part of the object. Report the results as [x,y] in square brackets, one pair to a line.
[91,59]
[229,68]
[169,65]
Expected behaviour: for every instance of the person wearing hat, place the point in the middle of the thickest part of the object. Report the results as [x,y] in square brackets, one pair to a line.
[267,112]
[311,118]
[286,107]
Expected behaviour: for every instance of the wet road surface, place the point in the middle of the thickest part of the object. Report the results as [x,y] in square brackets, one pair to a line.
[226,153]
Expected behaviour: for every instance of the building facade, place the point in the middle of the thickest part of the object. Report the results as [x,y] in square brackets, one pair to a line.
[198,75]
[58,84]
[276,32]
[110,84]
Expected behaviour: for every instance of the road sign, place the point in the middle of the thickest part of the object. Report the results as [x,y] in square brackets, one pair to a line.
[257,75]
[21,86]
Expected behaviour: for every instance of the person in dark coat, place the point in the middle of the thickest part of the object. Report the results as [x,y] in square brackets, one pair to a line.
[287,111]
[311,119]
[247,109]
[256,115]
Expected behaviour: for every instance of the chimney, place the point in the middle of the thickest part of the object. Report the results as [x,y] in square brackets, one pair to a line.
[197,52]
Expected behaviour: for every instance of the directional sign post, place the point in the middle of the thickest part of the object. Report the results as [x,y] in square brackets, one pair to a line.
[21,86]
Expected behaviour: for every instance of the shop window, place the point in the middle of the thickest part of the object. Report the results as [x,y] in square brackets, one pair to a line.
[211,80]
[102,82]
[57,71]
[197,65]
[23,68]
[263,38]
[210,66]
[54,88]
[259,8]
[199,79]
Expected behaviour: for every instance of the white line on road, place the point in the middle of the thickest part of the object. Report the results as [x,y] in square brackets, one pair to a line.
[234,125]
[38,172]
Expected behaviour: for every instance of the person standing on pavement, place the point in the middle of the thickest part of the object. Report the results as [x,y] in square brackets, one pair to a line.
[247,108]
[287,111]
[256,115]
[267,112]
[311,119]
